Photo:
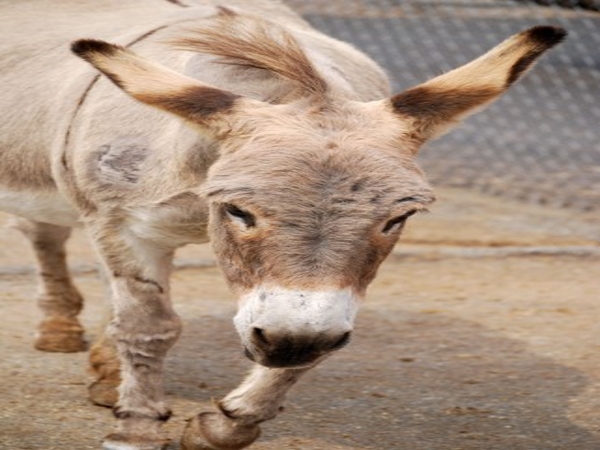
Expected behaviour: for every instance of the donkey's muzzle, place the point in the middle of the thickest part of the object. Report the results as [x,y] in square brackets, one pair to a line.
[279,351]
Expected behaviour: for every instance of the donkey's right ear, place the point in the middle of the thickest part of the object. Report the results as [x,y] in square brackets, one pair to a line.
[159,86]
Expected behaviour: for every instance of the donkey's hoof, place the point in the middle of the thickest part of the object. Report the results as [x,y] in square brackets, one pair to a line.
[214,431]
[60,334]
[103,393]
[119,441]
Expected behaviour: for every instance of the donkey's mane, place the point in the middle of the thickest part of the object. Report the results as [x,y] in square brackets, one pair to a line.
[250,41]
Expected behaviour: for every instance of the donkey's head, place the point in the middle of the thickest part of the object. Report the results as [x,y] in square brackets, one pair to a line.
[309,197]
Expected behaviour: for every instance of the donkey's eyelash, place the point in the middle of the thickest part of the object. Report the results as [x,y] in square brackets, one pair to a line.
[397,221]
[238,213]
[412,198]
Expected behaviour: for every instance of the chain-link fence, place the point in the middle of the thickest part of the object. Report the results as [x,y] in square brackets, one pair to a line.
[541,141]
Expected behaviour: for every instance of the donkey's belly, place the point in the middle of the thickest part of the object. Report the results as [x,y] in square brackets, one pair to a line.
[41,206]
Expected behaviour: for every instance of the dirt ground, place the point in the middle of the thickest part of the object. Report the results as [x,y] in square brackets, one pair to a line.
[482,332]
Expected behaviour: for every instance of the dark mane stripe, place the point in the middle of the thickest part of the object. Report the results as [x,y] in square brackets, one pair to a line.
[253,42]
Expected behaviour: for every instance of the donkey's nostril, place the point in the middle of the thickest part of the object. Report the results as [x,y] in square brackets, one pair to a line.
[342,342]
[260,336]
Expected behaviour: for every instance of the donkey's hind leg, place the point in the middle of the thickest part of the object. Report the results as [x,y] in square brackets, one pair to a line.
[59,299]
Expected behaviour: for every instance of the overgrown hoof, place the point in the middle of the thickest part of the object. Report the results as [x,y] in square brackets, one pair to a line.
[214,431]
[118,441]
[103,393]
[60,334]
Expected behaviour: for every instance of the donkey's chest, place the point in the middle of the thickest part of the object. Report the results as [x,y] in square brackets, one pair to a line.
[41,206]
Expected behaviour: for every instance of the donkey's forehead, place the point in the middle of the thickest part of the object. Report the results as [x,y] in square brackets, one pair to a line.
[347,124]
[353,149]
[311,174]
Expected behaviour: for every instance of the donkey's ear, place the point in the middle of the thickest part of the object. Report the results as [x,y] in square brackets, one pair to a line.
[438,104]
[158,86]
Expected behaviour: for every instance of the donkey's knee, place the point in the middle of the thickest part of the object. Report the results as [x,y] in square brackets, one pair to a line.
[59,299]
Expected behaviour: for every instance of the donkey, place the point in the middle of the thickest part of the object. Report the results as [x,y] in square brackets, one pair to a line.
[280,145]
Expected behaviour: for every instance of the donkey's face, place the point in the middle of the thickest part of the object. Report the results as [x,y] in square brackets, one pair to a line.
[301,218]
[309,197]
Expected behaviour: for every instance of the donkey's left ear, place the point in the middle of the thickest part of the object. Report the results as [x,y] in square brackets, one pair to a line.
[437,105]
[161,87]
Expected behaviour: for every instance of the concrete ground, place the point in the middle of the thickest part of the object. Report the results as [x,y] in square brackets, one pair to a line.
[481,332]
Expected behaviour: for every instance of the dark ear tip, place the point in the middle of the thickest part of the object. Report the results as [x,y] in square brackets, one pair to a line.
[86,47]
[547,35]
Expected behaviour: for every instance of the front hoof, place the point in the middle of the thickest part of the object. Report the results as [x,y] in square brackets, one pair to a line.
[214,431]
[118,441]
[60,334]
[103,393]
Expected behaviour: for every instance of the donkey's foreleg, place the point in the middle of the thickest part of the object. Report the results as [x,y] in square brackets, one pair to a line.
[143,329]
[235,425]
[143,333]
[59,331]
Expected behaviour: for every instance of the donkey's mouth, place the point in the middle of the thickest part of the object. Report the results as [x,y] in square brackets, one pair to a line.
[283,361]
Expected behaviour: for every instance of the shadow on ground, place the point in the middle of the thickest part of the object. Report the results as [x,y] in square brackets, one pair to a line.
[408,381]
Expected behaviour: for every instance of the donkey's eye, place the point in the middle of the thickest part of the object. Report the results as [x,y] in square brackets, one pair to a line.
[240,215]
[396,223]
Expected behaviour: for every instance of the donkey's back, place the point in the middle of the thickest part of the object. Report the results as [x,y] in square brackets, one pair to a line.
[59,110]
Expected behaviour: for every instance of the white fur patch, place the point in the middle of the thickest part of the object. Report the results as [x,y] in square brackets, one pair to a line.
[297,311]
[49,207]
